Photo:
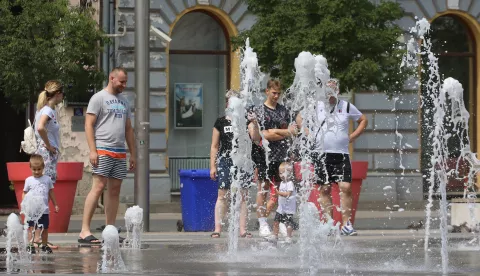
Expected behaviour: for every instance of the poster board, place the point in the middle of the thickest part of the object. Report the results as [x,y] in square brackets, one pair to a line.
[188,105]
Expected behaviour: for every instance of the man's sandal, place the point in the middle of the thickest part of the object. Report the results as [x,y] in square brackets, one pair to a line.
[89,240]
[215,235]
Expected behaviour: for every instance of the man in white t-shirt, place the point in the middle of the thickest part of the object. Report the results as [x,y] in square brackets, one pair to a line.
[331,155]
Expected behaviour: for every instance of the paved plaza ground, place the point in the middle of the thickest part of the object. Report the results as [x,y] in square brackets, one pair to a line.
[380,251]
[167,222]
[373,252]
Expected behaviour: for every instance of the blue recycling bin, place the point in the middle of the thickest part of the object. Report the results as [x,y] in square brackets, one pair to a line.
[198,195]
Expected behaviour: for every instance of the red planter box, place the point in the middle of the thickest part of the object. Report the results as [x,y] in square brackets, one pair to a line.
[68,174]
[359,172]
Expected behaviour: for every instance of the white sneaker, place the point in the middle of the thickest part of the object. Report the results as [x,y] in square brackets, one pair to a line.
[347,230]
[271,238]
[283,229]
[288,240]
[264,231]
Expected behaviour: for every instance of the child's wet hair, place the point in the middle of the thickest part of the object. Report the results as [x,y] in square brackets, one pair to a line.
[36,158]
[286,166]
[232,93]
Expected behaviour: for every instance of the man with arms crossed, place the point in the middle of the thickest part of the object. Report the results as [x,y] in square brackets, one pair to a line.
[276,129]
[331,156]
[107,126]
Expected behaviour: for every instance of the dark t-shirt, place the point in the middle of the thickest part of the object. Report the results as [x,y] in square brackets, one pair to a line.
[278,118]
[224,126]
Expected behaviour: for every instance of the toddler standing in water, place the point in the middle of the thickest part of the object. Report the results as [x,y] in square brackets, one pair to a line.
[287,204]
[41,185]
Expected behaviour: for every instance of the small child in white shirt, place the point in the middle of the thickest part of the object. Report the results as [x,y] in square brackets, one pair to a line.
[287,203]
[42,185]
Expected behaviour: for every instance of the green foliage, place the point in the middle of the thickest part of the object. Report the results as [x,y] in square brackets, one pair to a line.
[358,38]
[43,40]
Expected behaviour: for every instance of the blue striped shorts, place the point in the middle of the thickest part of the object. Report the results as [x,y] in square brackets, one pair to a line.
[111,167]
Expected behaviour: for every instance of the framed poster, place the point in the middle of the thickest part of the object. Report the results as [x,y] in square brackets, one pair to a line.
[188,105]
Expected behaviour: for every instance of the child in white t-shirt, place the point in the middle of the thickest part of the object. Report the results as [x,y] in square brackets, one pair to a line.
[287,203]
[39,185]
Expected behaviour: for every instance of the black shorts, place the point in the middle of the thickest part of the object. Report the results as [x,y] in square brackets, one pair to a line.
[270,172]
[332,168]
[43,222]
[258,156]
[284,218]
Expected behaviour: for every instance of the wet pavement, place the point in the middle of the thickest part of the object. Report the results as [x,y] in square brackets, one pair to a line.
[167,222]
[372,253]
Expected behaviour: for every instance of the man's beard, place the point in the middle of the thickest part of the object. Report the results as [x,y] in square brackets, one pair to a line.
[118,90]
[332,102]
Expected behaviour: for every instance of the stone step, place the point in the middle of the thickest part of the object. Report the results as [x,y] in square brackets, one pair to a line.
[175,205]
[164,207]
[389,205]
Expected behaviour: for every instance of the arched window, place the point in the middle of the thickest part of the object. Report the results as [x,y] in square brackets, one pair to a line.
[453,43]
[199,58]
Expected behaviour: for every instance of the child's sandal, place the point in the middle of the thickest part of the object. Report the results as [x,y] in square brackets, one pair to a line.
[246,235]
[52,246]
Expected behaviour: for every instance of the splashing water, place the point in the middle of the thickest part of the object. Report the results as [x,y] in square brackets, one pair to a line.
[316,238]
[459,117]
[15,238]
[448,108]
[111,259]
[411,59]
[422,27]
[439,168]
[448,105]
[33,206]
[307,92]
[400,145]
[241,172]
[251,91]
[134,225]
[436,130]
[241,145]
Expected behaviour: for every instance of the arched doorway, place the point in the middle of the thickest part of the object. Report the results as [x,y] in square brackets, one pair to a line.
[199,75]
[454,44]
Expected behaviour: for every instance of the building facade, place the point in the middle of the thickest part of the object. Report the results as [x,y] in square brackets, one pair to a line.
[199,57]
[455,38]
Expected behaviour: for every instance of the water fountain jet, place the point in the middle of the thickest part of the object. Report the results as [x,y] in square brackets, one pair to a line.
[241,172]
[32,207]
[111,259]
[15,238]
[134,226]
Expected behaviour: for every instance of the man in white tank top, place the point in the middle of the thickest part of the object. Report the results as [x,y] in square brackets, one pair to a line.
[331,155]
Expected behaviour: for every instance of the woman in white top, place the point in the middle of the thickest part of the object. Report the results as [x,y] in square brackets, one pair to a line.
[47,133]
[47,128]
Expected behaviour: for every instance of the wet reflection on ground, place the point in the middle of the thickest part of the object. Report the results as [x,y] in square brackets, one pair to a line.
[206,257]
